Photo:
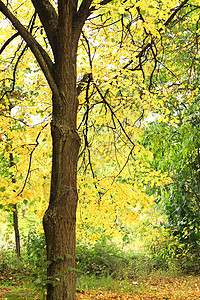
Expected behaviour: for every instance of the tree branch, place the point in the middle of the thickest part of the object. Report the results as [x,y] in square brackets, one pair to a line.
[81,16]
[14,74]
[17,34]
[49,20]
[30,160]
[9,41]
[113,113]
[40,54]
[102,3]
[175,12]
[86,77]
[84,7]
[84,12]
[166,24]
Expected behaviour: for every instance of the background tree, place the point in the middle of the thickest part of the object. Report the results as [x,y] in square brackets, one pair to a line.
[18,149]
[173,137]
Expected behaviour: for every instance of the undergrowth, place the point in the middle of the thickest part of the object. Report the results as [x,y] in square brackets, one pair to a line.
[102,266]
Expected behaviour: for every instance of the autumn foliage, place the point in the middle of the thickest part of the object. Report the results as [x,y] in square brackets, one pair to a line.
[80,83]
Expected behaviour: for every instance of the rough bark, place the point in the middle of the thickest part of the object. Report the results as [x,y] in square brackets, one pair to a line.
[60,218]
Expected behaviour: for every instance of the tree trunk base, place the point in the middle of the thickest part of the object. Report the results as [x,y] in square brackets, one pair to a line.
[59,229]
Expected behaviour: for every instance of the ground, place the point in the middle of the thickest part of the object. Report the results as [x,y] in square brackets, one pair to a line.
[152,288]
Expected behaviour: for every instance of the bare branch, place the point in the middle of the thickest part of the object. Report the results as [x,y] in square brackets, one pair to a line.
[9,41]
[175,12]
[30,160]
[88,49]
[83,13]
[126,162]
[113,113]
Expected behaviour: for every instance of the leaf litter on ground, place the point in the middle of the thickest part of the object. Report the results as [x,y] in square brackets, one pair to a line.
[151,288]
[155,288]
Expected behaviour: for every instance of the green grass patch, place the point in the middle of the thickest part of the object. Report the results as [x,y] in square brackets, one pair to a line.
[108,283]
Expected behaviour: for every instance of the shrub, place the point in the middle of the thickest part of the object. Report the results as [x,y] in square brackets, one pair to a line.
[34,248]
[12,269]
[100,259]
[168,253]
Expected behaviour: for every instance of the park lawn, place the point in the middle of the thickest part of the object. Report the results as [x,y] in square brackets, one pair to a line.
[151,288]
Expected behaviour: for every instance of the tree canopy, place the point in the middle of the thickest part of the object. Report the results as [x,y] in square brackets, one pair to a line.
[106,65]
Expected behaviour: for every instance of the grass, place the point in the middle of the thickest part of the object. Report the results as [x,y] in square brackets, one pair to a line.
[23,292]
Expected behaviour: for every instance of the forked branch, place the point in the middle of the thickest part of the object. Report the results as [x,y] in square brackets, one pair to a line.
[30,160]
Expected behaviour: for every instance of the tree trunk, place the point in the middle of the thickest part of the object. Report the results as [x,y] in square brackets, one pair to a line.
[15,216]
[63,27]
[198,182]
[60,218]
[16,229]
